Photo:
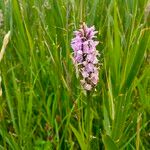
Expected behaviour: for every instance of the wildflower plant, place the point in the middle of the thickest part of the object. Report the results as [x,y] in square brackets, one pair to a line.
[39,105]
[86,56]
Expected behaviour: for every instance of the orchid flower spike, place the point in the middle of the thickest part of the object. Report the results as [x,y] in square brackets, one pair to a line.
[86,56]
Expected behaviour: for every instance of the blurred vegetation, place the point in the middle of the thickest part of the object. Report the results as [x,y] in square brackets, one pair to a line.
[43,106]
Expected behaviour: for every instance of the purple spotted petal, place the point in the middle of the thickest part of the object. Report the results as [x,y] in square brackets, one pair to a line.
[89,67]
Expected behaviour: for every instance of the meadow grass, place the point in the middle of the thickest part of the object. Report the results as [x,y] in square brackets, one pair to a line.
[43,106]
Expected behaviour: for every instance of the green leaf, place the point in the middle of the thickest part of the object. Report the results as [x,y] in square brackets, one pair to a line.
[79,138]
[109,143]
[142,47]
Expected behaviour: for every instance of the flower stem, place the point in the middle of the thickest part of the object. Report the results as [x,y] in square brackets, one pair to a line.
[88,117]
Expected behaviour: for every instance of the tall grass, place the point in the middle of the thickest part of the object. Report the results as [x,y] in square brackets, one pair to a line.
[43,105]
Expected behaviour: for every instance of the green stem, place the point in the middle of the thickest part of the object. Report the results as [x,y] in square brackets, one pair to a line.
[88,117]
[81,11]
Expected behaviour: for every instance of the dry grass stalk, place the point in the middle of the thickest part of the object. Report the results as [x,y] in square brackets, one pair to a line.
[5,42]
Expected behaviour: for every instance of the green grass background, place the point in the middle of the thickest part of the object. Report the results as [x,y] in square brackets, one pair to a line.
[43,106]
